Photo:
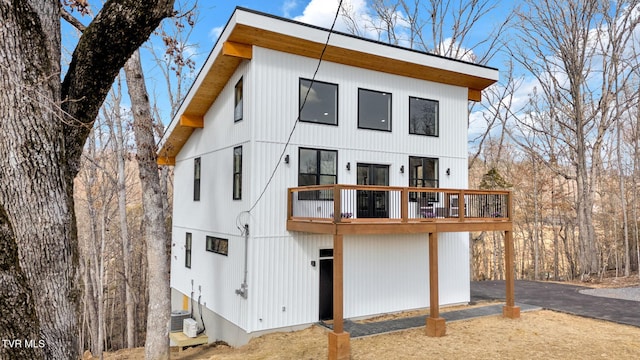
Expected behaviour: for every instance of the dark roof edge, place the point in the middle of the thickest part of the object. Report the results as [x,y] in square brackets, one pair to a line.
[360,38]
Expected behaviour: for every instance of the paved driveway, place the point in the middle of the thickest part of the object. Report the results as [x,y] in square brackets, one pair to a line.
[562,298]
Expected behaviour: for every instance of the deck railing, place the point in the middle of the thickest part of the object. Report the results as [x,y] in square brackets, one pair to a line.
[366,203]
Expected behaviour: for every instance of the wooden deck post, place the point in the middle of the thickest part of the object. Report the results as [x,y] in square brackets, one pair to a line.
[339,346]
[510,310]
[436,326]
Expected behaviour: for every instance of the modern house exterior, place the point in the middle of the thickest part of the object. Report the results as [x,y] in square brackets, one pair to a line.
[353,213]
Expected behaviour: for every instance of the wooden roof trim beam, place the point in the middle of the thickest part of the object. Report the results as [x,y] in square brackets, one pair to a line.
[235,49]
[166,160]
[475,95]
[192,121]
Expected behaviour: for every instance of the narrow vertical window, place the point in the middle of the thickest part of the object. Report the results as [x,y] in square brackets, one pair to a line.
[187,251]
[237,173]
[196,179]
[237,112]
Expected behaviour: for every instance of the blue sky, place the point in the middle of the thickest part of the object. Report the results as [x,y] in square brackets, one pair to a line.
[213,17]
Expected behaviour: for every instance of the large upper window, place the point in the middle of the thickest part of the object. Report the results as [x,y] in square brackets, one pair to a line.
[196,179]
[321,105]
[423,116]
[237,110]
[237,173]
[317,167]
[187,250]
[374,110]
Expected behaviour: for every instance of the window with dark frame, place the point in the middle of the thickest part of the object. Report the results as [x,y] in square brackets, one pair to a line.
[218,245]
[237,110]
[423,172]
[237,173]
[317,167]
[196,178]
[374,110]
[321,106]
[423,116]
[187,251]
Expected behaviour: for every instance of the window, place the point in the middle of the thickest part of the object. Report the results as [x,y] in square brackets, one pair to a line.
[322,102]
[218,245]
[374,110]
[187,251]
[196,179]
[237,110]
[237,173]
[317,167]
[423,117]
[423,172]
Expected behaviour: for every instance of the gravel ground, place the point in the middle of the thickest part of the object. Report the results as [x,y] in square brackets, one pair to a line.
[627,293]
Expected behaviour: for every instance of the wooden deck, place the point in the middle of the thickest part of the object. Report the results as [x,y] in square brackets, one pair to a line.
[361,209]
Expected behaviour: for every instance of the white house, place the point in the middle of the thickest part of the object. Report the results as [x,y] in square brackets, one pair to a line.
[258,251]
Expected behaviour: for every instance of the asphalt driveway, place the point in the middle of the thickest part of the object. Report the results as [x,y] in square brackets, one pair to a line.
[562,298]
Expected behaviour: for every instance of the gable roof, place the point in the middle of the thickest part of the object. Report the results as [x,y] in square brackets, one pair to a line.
[247,28]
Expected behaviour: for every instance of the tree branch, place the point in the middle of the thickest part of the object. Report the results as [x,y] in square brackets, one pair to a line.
[72,20]
[106,44]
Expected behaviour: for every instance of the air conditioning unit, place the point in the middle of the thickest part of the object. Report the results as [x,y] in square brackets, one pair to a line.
[177,319]
[190,328]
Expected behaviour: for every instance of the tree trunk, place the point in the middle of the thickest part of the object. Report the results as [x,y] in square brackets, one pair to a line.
[36,193]
[41,139]
[118,135]
[159,307]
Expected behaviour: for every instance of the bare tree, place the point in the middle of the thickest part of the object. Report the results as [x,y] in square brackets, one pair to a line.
[45,123]
[558,45]
[157,239]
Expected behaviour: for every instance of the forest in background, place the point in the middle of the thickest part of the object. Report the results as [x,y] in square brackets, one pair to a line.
[569,153]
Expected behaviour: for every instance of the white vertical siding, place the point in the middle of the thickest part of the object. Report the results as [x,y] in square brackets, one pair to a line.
[214,276]
[382,274]
[215,214]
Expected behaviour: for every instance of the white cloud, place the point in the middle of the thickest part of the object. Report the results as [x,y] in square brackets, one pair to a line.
[288,6]
[215,33]
[322,12]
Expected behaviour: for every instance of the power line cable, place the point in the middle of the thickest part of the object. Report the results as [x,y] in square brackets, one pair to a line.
[295,124]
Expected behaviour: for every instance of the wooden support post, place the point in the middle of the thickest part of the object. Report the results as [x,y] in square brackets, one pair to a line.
[289,204]
[404,205]
[510,310]
[339,343]
[436,326]
[337,206]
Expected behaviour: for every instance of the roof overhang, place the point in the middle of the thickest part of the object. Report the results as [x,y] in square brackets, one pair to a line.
[247,28]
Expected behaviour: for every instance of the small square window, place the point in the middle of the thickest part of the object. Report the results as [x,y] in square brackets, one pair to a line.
[321,105]
[423,116]
[218,245]
[237,110]
[374,110]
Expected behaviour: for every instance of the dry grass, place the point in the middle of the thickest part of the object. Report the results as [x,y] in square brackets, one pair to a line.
[537,334]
